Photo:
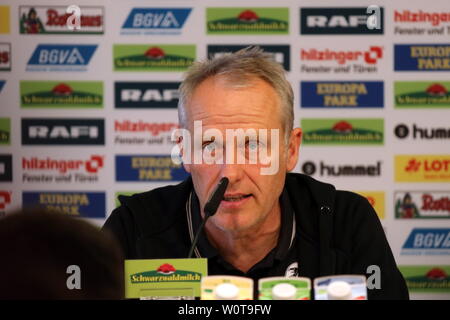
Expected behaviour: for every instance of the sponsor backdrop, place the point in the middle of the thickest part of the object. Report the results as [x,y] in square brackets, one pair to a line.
[86,115]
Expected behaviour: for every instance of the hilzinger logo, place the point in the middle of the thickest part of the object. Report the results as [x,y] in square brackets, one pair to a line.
[208,147]
[93,165]
[370,56]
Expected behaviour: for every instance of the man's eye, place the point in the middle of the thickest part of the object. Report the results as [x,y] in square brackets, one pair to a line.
[210,146]
[253,145]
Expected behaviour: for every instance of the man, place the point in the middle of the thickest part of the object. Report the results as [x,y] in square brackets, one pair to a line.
[270,222]
[47,255]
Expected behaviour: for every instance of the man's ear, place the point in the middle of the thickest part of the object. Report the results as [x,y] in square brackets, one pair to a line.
[180,144]
[293,149]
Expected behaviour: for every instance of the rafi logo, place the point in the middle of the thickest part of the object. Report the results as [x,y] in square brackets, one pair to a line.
[63,131]
[153,57]
[4,19]
[165,273]
[165,21]
[279,53]
[422,168]
[53,20]
[343,132]
[148,168]
[77,204]
[5,168]
[337,21]
[422,204]
[422,94]
[56,94]
[5,199]
[140,132]
[376,200]
[247,20]
[428,279]
[61,57]
[332,170]
[414,131]
[5,131]
[342,94]
[5,57]
[422,57]
[51,170]
[432,241]
[146,95]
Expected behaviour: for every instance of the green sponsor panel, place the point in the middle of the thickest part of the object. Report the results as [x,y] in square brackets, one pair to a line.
[343,132]
[61,94]
[247,20]
[153,57]
[430,279]
[164,277]
[5,131]
[123,193]
[421,94]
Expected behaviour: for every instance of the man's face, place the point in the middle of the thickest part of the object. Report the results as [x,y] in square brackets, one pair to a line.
[250,197]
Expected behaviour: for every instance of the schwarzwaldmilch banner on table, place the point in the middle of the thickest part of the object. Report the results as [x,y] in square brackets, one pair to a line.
[87,115]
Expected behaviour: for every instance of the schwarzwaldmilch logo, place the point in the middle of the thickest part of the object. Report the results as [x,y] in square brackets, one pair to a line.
[5,131]
[165,273]
[421,94]
[53,20]
[247,20]
[334,131]
[69,94]
[427,278]
[153,58]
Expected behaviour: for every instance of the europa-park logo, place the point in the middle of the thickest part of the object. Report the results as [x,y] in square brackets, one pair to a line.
[165,273]
[153,57]
[344,132]
[247,20]
[422,94]
[422,168]
[61,94]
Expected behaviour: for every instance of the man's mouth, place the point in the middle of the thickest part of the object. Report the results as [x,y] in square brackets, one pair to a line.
[235,198]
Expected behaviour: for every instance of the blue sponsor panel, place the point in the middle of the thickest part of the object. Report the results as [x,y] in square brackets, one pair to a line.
[2,83]
[156,20]
[156,168]
[342,94]
[427,241]
[73,203]
[422,57]
[61,57]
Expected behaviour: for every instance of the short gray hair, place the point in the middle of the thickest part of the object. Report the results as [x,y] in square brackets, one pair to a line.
[239,68]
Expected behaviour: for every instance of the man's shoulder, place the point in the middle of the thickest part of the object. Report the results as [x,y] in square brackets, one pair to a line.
[342,202]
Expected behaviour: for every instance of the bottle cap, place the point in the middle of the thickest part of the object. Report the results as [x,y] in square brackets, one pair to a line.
[284,291]
[226,291]
[339,290]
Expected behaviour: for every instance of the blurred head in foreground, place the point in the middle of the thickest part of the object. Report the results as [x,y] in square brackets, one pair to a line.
[47,255]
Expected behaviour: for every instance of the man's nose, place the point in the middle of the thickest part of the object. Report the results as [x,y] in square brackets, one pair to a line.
[234,172]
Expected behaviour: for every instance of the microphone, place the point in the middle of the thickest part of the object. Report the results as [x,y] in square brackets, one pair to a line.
[210,208]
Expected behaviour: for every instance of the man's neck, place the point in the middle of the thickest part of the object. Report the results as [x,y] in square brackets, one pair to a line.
[245,248]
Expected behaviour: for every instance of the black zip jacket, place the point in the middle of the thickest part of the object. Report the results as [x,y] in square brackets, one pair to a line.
[338,232]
